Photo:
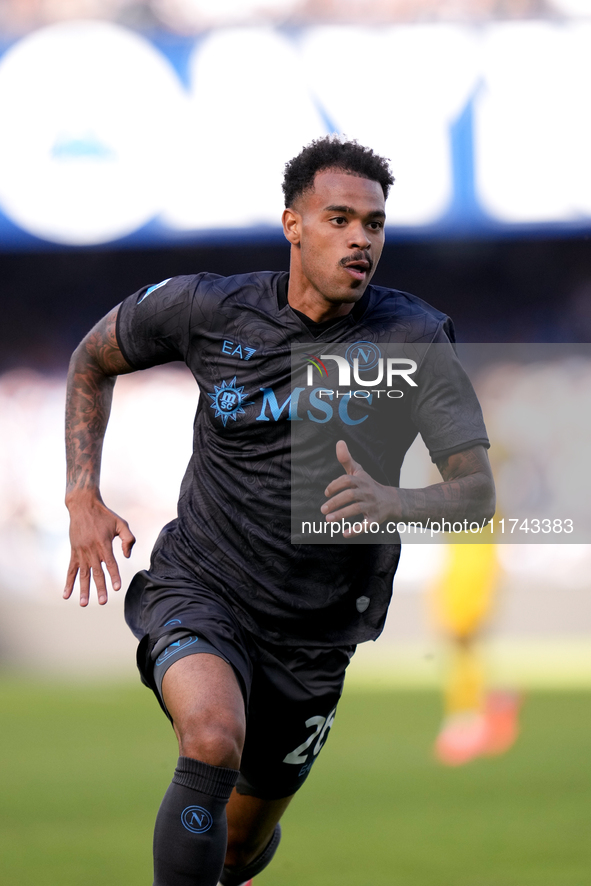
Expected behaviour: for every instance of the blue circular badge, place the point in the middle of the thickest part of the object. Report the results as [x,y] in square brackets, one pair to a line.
[366,354]
[196,819]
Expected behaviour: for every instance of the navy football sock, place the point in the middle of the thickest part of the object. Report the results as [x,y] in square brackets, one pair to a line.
[191,831]
[237,877]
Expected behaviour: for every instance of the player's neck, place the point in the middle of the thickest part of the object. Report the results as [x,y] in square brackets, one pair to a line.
[305,298]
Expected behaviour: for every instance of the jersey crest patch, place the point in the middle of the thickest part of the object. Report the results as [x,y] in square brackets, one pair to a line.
[228,400]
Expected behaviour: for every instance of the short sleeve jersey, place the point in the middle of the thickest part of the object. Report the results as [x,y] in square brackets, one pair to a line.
[233,532]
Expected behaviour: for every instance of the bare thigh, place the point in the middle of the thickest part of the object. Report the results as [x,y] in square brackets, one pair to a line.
[205,702]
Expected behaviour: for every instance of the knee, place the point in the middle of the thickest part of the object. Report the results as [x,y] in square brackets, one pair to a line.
[217,742]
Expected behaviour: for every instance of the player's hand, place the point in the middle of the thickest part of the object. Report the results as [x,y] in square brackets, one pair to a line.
[356,494]
[92,530]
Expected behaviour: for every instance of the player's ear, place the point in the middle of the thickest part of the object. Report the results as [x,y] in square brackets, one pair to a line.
[291,221]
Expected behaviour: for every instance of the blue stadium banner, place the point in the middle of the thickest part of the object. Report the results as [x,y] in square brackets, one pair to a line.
[109,135]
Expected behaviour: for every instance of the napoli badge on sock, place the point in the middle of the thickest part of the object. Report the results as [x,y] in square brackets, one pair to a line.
[196,819]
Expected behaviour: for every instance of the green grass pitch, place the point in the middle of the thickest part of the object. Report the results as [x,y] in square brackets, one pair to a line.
[83,770]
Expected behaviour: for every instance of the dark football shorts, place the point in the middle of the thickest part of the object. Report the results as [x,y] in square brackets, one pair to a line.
[290,693]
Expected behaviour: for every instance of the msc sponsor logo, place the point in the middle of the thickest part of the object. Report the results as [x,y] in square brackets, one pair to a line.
[228,400]
[271,409]
[196,819]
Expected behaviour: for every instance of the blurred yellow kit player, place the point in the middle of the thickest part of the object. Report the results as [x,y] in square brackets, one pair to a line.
[476,722]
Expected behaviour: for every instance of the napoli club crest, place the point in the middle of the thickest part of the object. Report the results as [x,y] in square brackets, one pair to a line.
[196,819]
[229,400]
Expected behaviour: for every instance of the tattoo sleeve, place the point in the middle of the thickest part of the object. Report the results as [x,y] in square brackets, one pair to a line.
[467,490]
[91,378]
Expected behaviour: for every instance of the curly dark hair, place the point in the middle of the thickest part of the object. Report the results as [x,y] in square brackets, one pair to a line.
[331,152]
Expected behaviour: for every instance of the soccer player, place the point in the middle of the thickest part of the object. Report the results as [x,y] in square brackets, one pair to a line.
[245,637]
[478,722]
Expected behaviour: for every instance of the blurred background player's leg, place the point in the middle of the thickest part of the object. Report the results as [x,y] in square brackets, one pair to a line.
[476,721]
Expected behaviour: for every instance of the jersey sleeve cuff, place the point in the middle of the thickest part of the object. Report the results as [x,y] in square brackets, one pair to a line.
[438,454]
[118,336]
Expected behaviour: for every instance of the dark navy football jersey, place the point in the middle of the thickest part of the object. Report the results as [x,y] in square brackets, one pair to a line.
[232,533]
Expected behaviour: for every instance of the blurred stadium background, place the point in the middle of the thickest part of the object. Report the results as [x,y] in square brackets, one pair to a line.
[146,139]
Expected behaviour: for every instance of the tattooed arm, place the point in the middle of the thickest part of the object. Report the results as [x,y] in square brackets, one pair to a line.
[91,379]
[467,493]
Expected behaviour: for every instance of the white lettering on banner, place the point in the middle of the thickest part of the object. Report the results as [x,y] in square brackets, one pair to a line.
[426,75]
[529,119]
[88,164]
[85,153]
[225,66]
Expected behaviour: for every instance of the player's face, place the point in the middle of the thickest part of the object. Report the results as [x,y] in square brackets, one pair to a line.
[339,231]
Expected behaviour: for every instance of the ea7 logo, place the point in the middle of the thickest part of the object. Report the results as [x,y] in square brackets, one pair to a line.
[196,819]
[236,350]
